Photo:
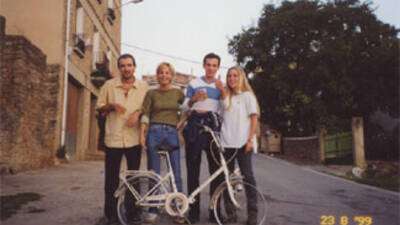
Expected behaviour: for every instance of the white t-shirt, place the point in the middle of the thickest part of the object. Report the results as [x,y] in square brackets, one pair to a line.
[236,120]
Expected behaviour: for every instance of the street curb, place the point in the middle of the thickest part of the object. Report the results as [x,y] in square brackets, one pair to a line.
[332,176]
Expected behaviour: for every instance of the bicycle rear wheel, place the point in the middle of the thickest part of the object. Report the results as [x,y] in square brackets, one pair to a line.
[251,211]
[131,203]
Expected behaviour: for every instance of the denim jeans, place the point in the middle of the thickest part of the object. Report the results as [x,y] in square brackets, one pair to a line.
[164,135]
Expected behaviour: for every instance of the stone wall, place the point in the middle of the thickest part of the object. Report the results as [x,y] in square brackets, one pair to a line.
[29,90]
[304,150]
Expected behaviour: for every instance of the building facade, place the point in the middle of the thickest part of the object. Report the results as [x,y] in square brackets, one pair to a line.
[82,37]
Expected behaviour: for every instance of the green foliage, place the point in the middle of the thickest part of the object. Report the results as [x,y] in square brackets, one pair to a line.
[318,63]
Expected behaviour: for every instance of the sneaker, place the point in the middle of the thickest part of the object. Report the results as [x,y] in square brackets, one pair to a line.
[179,220]
[151,218]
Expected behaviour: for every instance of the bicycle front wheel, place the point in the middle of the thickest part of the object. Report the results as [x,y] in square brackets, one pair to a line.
[132,202]
[252,204]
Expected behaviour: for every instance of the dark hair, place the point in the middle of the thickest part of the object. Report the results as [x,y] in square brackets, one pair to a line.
[211,56]
[126,56]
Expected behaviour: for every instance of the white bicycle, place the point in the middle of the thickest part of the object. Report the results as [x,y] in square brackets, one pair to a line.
[146,189]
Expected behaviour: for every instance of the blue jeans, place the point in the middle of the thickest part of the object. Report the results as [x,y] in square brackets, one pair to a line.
[164,135]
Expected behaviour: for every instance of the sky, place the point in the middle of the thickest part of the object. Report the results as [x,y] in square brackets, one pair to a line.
[183,31]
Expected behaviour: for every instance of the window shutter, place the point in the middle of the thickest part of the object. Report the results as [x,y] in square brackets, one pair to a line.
[109,57]
[79,20]
[111,4]
[96,48]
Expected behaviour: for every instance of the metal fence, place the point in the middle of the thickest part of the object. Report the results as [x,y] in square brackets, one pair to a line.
[338,145]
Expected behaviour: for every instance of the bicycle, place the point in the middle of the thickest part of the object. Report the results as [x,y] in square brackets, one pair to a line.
[148,189]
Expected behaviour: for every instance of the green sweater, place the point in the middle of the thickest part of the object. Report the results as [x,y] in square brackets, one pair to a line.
[162,106]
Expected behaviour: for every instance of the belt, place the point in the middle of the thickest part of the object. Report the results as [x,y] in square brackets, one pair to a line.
[163,125]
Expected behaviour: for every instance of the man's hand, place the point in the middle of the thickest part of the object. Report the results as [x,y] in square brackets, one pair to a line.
[133,119]
[219,85]
[118,108]
[200,95]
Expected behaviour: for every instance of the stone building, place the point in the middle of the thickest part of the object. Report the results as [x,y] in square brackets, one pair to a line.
[71,46]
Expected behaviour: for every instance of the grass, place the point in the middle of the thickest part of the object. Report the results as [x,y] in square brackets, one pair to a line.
[382,174]
[388,181]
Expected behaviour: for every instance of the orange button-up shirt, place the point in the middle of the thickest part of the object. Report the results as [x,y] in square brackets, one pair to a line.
[118,134]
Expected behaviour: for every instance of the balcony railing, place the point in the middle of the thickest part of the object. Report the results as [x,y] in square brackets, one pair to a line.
[102,72]
[97,60]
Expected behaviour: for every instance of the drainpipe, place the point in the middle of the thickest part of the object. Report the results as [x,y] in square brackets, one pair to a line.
[61,151]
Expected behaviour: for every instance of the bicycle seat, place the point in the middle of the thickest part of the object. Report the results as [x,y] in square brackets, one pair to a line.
[163,149]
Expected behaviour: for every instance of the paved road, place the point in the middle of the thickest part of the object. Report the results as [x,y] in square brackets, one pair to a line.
[72,194]
[298,196]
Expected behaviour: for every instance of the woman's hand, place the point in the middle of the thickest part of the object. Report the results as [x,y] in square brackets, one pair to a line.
[142,136]
[249,147]
[180,125]
[133,119]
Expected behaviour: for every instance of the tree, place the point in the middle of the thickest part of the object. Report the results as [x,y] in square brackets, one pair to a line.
[316,63]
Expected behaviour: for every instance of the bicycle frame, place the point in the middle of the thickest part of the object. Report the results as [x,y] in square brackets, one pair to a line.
[160,199]
[222,169]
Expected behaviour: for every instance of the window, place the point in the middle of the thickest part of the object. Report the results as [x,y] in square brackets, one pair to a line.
[79,47]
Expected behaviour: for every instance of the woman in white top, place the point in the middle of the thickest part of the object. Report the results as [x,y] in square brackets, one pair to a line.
[238,132]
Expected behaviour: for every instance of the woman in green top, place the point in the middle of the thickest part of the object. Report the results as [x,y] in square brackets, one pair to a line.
[161,114]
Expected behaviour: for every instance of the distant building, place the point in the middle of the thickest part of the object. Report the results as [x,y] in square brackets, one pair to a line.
[180,80]
[93,45]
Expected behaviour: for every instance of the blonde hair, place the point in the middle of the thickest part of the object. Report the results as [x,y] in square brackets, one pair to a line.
[168,65]
[243,86]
